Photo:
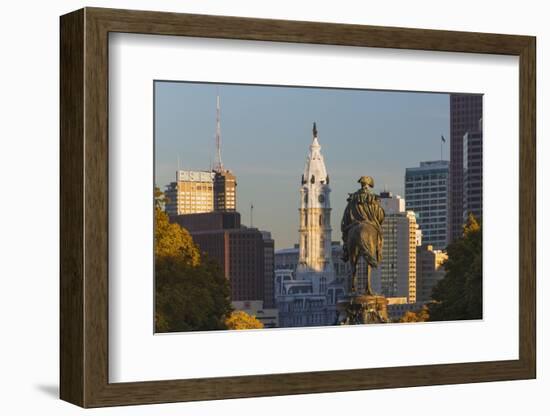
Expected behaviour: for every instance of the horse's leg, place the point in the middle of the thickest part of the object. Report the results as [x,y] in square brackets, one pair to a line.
[353,276]
[369,287]
[353,264]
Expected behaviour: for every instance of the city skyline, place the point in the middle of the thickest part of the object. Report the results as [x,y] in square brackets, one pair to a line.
[266,133]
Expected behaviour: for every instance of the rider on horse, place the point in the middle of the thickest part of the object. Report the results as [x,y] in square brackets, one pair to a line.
[363,207]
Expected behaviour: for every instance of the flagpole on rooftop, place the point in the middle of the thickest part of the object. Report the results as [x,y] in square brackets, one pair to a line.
[251,215]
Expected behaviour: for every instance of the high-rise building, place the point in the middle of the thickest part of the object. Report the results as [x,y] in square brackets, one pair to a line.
[240,251]
[269,269]
[472,158]
[193,192]
[203,191]
[426,192]
[308,295]
[429,270]
[396,274]
[225,192]
[465,113]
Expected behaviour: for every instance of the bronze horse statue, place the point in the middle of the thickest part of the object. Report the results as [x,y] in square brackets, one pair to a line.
[362,241]
[362,231]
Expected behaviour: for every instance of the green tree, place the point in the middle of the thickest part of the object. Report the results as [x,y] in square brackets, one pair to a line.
[190,298]
[191,293]
[458,295]
[242,320]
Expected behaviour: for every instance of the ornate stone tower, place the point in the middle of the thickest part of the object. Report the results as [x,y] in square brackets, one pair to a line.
[315,260]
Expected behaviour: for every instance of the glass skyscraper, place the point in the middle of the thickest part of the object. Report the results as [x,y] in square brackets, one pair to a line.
[426,193]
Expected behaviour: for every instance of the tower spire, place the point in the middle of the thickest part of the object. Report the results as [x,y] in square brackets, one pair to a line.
[315,258]
[218,167]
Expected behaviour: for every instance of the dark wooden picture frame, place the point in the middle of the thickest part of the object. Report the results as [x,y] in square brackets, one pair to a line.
[84,207]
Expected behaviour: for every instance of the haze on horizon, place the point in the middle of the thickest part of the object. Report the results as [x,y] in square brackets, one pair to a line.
[266,132]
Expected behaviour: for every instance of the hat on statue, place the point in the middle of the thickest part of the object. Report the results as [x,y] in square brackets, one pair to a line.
[366,180]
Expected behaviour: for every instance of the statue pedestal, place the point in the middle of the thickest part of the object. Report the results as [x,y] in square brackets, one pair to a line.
[363,309]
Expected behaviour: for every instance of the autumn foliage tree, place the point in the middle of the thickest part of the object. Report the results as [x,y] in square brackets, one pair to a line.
[458,295]
[191,292]
[173,241]
[242,320]
[421,315]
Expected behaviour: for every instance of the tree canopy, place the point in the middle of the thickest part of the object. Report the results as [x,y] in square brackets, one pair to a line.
[242,320]
[190,298]
[458,295]
[191,292]
[173,241]
[421,315]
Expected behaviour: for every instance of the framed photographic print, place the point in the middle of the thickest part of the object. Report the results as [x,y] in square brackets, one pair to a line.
[255,207]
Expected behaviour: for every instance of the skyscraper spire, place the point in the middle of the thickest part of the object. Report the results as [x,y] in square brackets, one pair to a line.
[218,167]
[314,129]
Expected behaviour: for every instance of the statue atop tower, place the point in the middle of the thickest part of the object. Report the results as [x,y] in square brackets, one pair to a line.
[315,257]
[313,284]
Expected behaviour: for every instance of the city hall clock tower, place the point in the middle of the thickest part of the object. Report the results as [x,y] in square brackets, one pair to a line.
[315,258]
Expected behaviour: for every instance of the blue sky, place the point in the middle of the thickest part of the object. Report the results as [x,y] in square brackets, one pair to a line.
[266,133]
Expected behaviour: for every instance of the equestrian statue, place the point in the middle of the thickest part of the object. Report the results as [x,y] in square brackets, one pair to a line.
[362,231]
[362,237]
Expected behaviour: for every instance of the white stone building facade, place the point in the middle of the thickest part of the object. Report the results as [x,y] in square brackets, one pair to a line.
[307,296]
[396,275]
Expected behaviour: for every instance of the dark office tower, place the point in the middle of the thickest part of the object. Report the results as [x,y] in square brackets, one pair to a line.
[473,171]
[239,251]
[225,191]
[269,270]
[465,113]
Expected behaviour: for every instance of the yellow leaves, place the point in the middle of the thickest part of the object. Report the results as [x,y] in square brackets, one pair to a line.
[191,293]
[422,315]
[408,317]
[242,320]
[171,240]
[471,225]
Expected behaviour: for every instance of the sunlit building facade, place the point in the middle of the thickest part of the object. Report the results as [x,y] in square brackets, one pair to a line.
[396,274]
[429,270]
[192,193]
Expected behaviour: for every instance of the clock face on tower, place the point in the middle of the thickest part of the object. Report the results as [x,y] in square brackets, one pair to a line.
[321,198]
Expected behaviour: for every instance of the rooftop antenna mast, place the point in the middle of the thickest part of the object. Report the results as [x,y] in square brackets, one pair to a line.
[251,215]
[218,167]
